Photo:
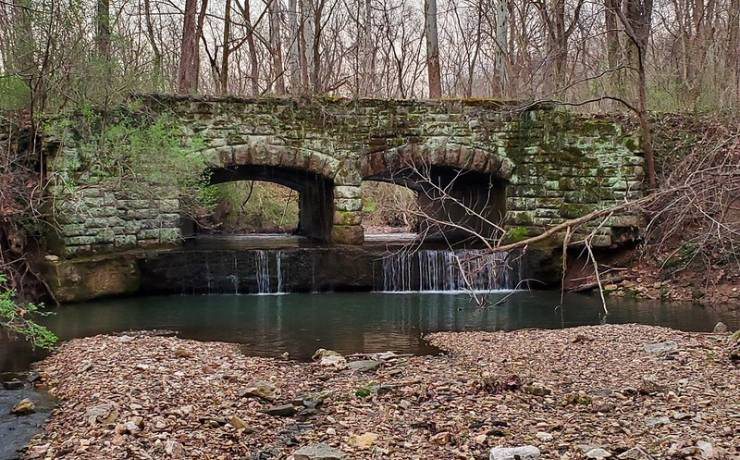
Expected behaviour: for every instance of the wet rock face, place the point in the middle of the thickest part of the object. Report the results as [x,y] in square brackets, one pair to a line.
[251,271]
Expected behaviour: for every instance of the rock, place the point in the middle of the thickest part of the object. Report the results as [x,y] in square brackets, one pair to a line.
[657,421]
[174,449]
[636,453]
[735,338]
[598,453]
[603,407]
[263,390]
[318,451]
[366,365]
[386,355]
[14,384]
[544,437]
[579,398]
[237,423]
[283,410]
[707,449]
[649,387]
[102,413]
[720,328]
[362,441]
[441,439]
[24,407]
[322,353]
[515,453]
[537,390]
[661,348]
[329,358]
[181,352]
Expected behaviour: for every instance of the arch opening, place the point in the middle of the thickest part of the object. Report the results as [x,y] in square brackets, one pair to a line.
[453,204]
[306,195]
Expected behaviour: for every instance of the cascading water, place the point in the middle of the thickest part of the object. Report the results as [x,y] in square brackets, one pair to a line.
[444,270]
[263,275]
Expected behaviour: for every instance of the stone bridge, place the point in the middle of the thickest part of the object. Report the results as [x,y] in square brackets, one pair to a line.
[525,168]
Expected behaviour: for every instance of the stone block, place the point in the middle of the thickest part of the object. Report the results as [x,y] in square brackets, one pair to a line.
[348,234]
[344,191]
[347,218]
[348,204]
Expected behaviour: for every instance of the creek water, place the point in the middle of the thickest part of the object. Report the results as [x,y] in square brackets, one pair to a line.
[270,325]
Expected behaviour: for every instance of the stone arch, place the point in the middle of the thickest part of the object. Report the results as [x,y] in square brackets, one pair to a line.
[473,179]
[311,174]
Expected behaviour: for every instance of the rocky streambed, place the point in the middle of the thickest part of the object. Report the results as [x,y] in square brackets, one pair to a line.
[613,391]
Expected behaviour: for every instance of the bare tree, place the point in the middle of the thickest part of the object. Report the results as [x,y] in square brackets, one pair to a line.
[432,40]
[187,80]
[276,47]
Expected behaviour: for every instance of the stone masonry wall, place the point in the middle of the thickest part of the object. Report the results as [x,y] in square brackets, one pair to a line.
[558,165]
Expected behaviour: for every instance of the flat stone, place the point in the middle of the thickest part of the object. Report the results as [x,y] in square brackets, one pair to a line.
[263,390]
[283,410]
[237,423]
[720,328]
[657,421]
[661,348]
[366,365]
[362,441]
[515,453]
[318,451]
[636,453]
[544,437]
[598,453]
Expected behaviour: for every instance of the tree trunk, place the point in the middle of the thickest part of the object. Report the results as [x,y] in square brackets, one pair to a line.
[226,54]
[278,71]
[308,40]
[733,49]
[502,48]
[187,78]
[293,61]
[432,41]
[613,49]
[21,55]
[157,58]
[253,63]
[637,20]
[102,34]
[198,37]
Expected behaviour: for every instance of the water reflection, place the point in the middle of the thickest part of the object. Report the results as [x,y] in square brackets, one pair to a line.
[350,323]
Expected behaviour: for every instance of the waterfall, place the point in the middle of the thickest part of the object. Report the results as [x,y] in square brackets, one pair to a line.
[444,270]
[262,272]
[279,272]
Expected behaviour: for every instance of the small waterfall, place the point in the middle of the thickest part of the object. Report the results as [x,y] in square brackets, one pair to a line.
[262,272]
[234,277]
[279,272]
[444,270]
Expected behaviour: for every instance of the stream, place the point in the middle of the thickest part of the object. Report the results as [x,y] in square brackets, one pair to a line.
[298,324]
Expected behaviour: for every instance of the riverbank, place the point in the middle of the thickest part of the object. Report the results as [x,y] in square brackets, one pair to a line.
[565,391]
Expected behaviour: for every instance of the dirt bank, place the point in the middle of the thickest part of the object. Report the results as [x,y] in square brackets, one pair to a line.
[565,391]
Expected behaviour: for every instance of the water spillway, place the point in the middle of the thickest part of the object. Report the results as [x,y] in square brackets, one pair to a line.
[441,270]
[278,271]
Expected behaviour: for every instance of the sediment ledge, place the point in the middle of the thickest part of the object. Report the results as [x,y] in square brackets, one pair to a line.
[567,392]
